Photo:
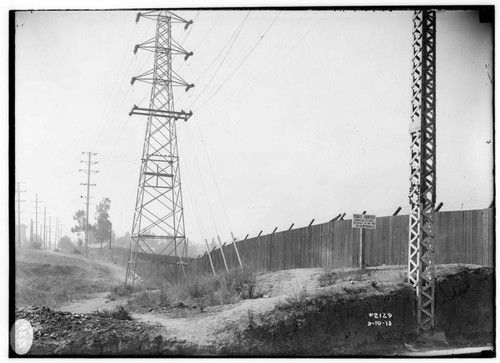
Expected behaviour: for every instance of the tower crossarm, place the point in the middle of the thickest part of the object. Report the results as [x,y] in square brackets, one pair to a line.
[163,15]
[161,113]
[174,80]
[174,49]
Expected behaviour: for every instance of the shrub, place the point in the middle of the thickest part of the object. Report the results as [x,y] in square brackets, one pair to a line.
[204,290]
[36,245]
[76,251]
[328,277]
[120,313]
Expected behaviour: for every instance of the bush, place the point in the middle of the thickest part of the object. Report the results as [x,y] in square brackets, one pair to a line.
[36,245]
[206,290]
[76,251]
[330,277]
[119,313]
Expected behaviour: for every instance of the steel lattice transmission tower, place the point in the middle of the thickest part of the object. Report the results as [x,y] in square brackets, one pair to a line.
[158,232]
[423,166]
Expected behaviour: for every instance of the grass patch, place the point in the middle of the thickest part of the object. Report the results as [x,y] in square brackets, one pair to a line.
[120,313]
[203,290]
[46,279]
[331,277]
[120,291]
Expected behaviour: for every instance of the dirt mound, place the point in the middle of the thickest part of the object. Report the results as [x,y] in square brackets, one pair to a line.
[63,333]
[47,278]
[370,312]
[331,323]
[353,319]
[464,301]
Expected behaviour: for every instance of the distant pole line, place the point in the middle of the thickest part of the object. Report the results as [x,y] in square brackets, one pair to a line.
[36,201]
[31,230]
[50,230]
[45,226]
[88,171]
[55,232]
[110,234]
[19,191]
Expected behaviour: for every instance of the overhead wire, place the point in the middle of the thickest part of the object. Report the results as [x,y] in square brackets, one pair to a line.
[112,109]
[240,64]
[224,58]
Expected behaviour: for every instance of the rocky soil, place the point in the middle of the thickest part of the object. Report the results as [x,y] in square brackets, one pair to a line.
[297,317]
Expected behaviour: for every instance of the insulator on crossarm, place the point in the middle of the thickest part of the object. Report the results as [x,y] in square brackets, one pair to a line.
[136,48]
[132,110]
[187,56]
[132,80]
[138,17]
[189,86]
[188,24]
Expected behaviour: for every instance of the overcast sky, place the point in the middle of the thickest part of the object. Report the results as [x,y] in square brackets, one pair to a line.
[299,114]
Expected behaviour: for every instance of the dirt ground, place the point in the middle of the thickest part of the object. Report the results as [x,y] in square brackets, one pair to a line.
[293,308]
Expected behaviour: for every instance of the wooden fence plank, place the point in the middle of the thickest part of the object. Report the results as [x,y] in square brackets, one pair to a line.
[491,235]
[461,236]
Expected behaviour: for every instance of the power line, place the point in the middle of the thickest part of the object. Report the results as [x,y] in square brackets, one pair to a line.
[233,37]
[239,65]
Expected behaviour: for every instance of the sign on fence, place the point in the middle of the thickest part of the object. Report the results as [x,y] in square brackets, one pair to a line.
[364,221]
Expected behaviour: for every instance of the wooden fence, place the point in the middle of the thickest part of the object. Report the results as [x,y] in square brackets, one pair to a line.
[461,237]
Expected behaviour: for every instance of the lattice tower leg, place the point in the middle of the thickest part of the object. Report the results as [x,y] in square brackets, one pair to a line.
[428,172]
[423,169]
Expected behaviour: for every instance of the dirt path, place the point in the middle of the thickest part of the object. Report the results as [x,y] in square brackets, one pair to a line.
[216,325]
[98,301]
[211,326]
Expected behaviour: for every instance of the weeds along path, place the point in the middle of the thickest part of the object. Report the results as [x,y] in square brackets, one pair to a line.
[215,327]
[97,302]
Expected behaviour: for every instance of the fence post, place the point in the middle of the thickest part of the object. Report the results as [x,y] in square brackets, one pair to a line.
[222,251]
[236,249]
[210,257]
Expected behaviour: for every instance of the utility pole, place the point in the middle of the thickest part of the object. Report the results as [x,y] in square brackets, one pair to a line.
[55,232]
[110,234]
[36,201]
[89,171]
[44,226]
[19,191]
[31,231]
[159,211]
[50,229]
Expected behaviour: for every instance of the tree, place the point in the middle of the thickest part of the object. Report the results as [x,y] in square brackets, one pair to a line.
[80,218]
[123,241]
[65,244]
[103,223]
